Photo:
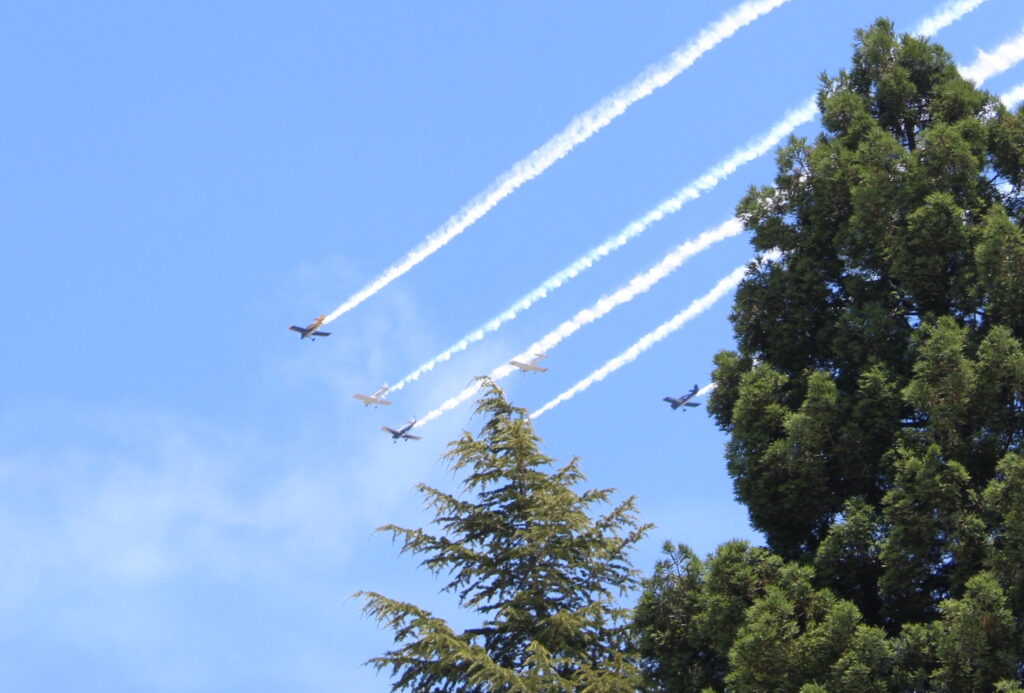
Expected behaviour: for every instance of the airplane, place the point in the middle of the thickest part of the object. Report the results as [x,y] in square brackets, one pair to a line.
[376,398]
[531,365]
[310,329]
[403,432]
[683,400]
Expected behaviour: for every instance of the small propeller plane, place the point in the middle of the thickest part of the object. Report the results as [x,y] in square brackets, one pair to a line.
[402,433]
[310,330]
[531,365]
[683,400]
[376,398]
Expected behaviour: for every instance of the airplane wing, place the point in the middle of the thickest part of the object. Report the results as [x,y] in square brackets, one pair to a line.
[368,400]
[389,430]
[296,328]
[691,404]
[321,334]
[410,436]
[527,367]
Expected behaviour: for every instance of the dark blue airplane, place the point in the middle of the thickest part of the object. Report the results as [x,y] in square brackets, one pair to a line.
[684,400]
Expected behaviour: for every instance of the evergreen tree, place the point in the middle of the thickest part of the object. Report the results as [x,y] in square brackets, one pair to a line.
[875,402]
[522,549]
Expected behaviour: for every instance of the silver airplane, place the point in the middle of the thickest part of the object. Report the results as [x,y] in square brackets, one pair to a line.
[402,433]
[310,330]
[684,400]
[531,365]
[376,398]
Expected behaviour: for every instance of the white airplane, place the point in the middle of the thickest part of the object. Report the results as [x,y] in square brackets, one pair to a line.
[403,432]
[310,330]
[683,400]
[531,365]
[376,398]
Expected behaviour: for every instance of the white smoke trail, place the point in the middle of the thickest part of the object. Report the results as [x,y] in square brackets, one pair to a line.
[1013,97]
[723,287]
[1001,59]
[639,284]
[947,14]
[707,389]
[579,130]
[756,148]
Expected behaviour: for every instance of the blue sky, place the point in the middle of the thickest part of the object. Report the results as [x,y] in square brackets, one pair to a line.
[187,492]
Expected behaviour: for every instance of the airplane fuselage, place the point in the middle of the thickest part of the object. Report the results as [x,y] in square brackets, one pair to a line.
[310,330]
[402,433]
[684,400]
[374,399]
[531,365]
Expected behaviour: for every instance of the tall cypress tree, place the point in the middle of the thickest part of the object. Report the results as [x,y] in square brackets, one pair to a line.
[524,550]
[875,403]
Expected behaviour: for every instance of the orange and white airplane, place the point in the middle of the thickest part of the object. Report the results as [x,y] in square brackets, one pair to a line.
[531,365]
[310,330]
[376,398]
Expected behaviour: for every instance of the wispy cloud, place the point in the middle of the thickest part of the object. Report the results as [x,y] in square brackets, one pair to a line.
[177,498]
[988,65]
[947,14]
[579,130]
[754,149]
[1014,96]
[639,284]
[722,288]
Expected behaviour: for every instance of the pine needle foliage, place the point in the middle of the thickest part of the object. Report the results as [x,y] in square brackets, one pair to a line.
[874,403]
[523,549]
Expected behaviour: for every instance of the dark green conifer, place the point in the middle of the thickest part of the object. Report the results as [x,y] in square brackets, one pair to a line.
[875,402]
[524,550]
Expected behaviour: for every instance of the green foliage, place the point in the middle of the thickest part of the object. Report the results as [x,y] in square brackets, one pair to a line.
[874,403]
[690,611]
[999,256]
[848,561]
[1003,501]
[927,555]
[521,548]
[976,644]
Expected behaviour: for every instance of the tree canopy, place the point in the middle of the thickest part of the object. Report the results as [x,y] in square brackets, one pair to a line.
[874,404]
[874,408]
[525,551]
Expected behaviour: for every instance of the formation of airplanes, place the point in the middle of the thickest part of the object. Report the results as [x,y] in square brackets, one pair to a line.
[377,398]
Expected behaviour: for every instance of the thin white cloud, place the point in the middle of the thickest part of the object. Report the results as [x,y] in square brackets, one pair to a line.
[947,14]
[1014,96]
[988,65]
[175,498]
[579,130]
[639,284]
[756,148]
[698,306]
